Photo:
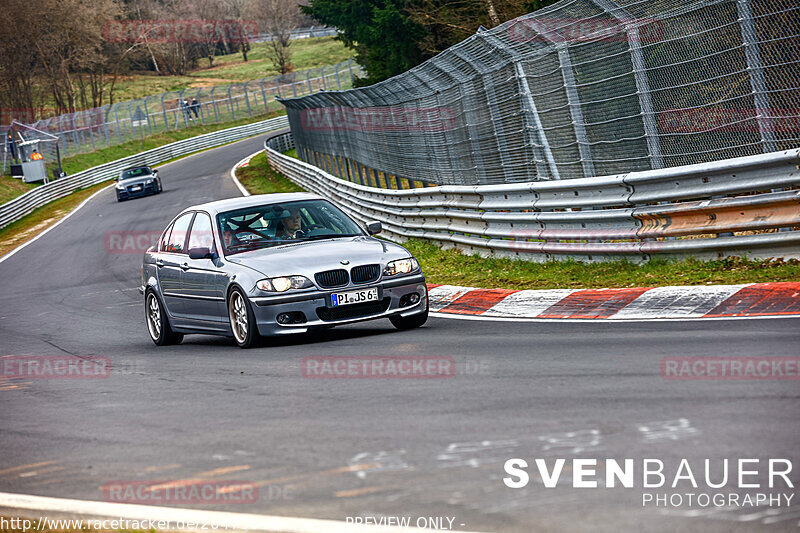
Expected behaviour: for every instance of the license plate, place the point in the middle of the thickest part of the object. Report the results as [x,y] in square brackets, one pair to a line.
[354,297]
[137,188]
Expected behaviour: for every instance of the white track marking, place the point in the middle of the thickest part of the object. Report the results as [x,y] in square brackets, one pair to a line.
[677,302]
[227,520]
[236,181]
[528,303]
[54,226]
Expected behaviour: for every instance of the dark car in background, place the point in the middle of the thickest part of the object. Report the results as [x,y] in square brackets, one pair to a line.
[137,181]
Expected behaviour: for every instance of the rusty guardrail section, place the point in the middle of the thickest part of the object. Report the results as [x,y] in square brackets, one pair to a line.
[744,206]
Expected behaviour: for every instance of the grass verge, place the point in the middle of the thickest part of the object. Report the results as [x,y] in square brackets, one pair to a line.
[10,188]
[451,267]
[259,178]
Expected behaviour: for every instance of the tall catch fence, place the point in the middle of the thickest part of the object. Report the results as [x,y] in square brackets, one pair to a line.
[89,130]
[580,89]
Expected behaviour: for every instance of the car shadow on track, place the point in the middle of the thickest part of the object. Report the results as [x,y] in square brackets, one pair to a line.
[316,337]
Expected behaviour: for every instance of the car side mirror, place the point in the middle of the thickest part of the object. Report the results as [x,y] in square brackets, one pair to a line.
[373,228]
[116,178]
[155,171]
[200,253]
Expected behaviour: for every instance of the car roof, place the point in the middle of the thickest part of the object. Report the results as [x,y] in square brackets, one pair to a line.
[134,168]
[229,204]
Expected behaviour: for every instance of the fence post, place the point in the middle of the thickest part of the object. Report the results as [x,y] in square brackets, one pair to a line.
[263,94]
[574,102]
[529,106]
[338,81]
[119,125]
[322,78]
[756,71]
[230,102]
[214,106]
[247,100]
[164,111]
[640,77]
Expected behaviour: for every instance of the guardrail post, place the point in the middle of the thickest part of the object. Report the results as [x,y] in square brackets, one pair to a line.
[756,72]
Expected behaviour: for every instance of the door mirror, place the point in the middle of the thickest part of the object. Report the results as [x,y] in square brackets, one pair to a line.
[155,171]
[200,253]
[373,228]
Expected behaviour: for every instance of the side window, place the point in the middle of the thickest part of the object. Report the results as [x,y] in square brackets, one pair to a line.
[178,235]
[162,245]
[201,236]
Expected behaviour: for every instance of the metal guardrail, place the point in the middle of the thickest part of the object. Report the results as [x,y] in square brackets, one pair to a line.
[22,205]
[708,210]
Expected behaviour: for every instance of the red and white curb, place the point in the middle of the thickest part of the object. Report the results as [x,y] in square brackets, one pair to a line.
[642,303]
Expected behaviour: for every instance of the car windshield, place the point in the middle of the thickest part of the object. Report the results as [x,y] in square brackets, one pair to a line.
[286,223]
[136,172]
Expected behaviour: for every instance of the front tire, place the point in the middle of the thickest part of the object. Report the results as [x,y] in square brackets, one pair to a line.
[157,322]
[409,322]
[242,320]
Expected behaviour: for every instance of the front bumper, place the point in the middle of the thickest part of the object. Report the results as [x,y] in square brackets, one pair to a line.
[315,306]
[147,189]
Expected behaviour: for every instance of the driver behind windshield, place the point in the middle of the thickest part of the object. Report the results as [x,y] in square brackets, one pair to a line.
[290,227]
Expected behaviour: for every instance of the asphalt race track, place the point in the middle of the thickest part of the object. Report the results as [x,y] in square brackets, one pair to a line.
[333,448]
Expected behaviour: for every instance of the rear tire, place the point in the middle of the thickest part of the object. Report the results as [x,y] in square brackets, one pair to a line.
[242,320]
[409,322]
[157,322]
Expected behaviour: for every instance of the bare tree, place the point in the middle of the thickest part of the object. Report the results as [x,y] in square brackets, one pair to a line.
[237,10]
[277,19]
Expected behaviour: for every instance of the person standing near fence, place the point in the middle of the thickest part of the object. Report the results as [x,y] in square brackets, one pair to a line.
[195,107]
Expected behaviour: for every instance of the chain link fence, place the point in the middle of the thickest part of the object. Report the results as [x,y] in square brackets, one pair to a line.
[89,130]
[582,88]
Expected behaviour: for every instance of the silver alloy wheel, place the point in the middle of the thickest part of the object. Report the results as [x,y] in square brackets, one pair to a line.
[238,316]
[153,316]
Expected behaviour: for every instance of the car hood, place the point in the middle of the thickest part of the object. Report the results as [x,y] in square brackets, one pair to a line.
[307,258]
[135,181]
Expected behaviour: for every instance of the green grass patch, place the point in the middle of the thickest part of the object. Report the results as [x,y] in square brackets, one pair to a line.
[259,178]
[452,267]
[10,188]
[306,53]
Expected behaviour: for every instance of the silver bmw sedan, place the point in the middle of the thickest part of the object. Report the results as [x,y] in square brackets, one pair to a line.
[275,264]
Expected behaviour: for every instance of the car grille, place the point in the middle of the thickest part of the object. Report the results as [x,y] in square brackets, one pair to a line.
[329,314]
[365,273]
[332,278]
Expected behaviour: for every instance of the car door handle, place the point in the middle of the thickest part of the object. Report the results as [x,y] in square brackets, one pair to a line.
[185,266]
[159,263]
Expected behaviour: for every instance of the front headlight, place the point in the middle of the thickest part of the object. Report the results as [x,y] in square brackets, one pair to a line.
[120,186]
[284,283]
[149,181]
[401,266]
